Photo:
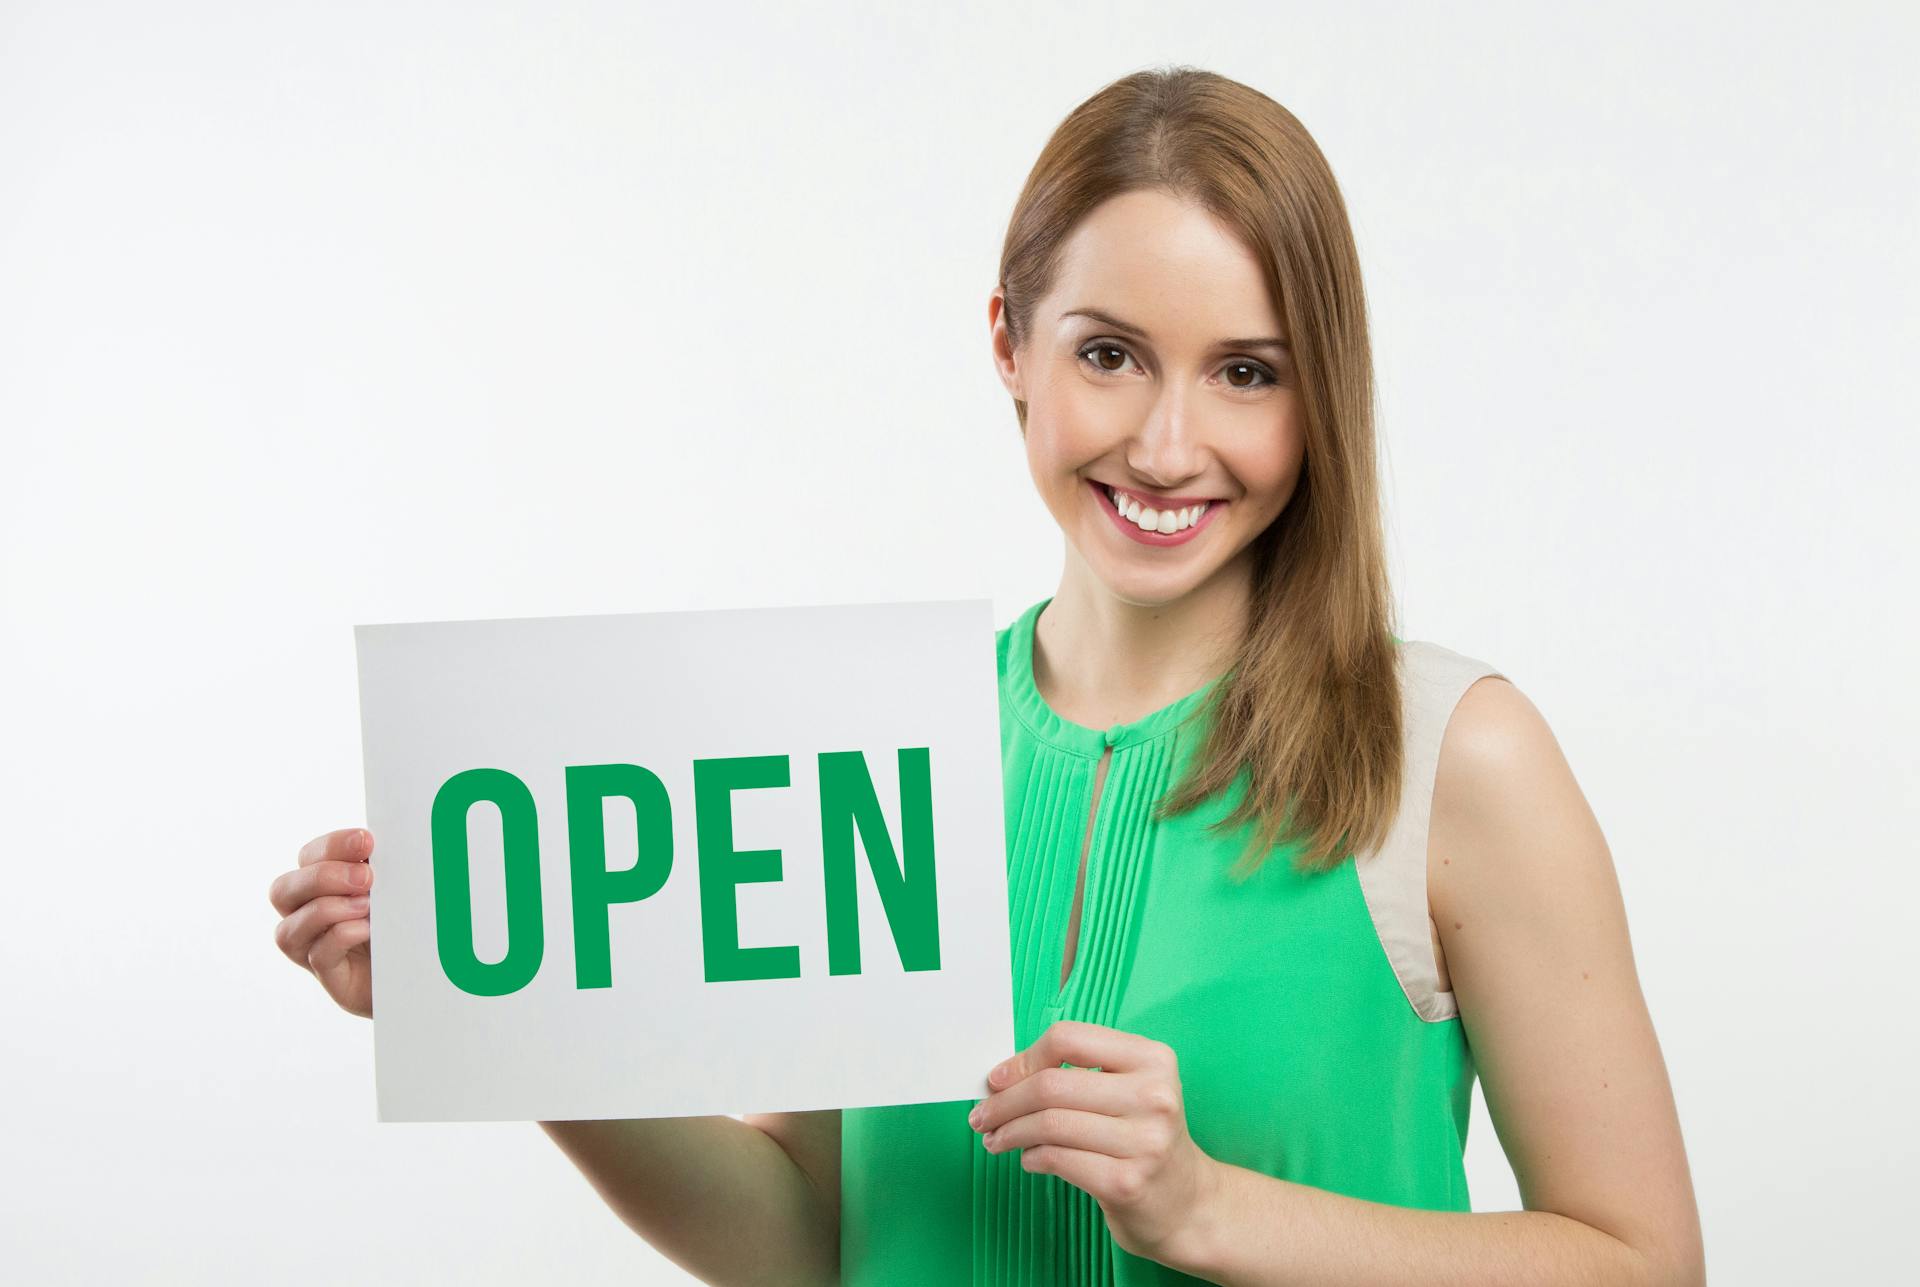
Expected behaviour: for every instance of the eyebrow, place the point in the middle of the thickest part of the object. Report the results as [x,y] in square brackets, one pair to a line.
[1128,328]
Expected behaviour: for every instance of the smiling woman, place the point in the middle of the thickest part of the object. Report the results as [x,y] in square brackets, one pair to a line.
[1282,884]
[1277,876]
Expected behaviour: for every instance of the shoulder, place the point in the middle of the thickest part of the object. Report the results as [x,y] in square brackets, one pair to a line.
[1009,639]
[1474,716]
[1504,798]
[1492,732]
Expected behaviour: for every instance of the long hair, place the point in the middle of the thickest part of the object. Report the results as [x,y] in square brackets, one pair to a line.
[1309,708]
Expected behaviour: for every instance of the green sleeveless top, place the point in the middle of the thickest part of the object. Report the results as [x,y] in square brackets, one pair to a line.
[1313,1041]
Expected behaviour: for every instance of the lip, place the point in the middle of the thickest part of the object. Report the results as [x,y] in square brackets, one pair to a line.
[1133,531]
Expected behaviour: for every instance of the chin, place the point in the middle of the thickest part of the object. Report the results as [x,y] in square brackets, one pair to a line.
[1145,587]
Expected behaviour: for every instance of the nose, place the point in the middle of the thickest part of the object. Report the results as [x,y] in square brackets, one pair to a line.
[1166,450]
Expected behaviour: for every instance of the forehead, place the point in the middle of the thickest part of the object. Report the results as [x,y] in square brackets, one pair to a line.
[1166,265]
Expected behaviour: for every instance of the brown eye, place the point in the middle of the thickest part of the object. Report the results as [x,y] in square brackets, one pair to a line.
[1103,350]
[1253,367]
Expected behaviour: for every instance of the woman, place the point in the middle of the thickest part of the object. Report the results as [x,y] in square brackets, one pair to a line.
[1281,883]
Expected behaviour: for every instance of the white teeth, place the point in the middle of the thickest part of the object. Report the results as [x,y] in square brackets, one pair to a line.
[1152,520]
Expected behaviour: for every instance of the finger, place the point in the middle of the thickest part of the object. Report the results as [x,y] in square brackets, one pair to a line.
[1082,1088]
[349,844]
[295,935]
[1088,1045]
[331,948]
[1095,1132]
[292,890]
[1099,1174]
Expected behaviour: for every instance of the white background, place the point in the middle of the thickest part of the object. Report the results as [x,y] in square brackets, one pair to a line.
[314,314]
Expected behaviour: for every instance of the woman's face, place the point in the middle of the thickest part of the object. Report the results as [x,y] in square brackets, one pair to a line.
[1157,367]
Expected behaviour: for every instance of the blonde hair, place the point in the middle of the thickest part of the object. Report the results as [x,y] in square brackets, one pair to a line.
[1309,708]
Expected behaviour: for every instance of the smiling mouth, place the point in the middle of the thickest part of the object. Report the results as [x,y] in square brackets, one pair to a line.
[1147,517]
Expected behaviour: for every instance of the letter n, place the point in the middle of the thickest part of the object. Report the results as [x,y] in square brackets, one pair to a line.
[908,892]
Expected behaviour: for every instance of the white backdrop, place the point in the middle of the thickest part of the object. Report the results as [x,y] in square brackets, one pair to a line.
[315,314]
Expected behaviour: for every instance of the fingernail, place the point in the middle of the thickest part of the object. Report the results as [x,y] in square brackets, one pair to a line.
[358,902]
[973,1118]
[999,1071]
[360,876]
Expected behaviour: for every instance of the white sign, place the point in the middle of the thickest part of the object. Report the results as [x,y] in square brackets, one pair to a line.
[677,863]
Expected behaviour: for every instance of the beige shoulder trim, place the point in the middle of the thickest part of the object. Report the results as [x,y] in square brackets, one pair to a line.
[1393,878]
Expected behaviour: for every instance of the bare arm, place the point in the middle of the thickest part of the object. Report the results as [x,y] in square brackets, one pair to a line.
[754,1201]
[1523,889]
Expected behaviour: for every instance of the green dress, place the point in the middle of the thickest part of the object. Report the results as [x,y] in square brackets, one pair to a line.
[1313,1041]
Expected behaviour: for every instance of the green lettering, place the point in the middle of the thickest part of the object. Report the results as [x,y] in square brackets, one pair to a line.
[453,882]
[722,869]
[595,889]
[907,891]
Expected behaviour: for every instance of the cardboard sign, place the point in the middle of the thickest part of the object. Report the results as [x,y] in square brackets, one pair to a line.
[662,864]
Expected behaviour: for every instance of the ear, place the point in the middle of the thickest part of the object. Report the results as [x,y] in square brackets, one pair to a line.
[1005,359]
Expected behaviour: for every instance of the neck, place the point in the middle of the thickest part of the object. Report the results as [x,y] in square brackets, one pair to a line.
[1099,659]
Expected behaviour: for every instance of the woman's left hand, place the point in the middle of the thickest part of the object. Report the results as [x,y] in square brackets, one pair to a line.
[1115,1125]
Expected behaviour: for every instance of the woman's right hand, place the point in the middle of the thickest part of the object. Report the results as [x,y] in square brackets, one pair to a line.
[323,907]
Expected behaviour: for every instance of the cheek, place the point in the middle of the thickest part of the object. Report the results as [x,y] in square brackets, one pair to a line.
[1065,433]
[1271,475]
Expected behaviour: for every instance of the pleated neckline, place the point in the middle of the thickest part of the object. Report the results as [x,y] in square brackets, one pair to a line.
[1023,695]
